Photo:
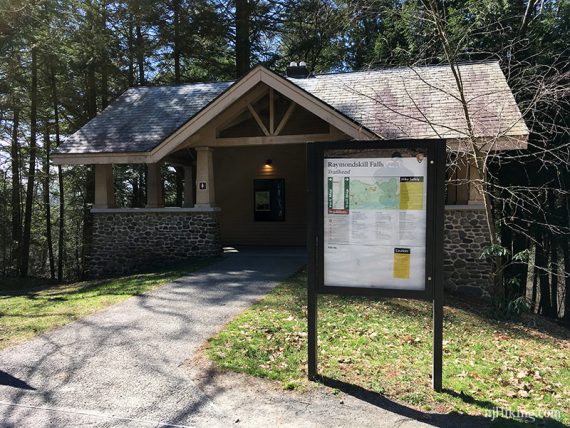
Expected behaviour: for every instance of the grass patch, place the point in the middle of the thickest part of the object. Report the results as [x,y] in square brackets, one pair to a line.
[32,306]
[384,346]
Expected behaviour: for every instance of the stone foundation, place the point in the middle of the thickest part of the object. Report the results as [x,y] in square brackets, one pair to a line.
[135,240]
[465,236]
[126,241]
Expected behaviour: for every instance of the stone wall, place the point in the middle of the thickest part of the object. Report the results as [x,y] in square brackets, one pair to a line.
[465,236]
[125,242]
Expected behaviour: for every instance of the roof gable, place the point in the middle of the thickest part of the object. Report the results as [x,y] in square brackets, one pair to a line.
[392,103]
[260,74]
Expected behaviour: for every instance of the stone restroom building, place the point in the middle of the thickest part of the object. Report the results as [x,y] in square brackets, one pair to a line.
[239,139]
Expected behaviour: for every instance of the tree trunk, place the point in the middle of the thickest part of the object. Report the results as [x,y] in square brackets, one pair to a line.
[26,237]
[553,257]
[61,235]
[104,85]
[16,196]
[527,17]
[89,193]
[136,194]
[87,218]
[243,45]
[530,290]
[179,185]
[140,55]
[566,268]
[143,175]
[139,42]
[104,63]
[506,238]
[535,289]
[131,44]
[541,265]
[91,91]
[4,236]
[47,207]
[475,151]
[564,244]
[176,53]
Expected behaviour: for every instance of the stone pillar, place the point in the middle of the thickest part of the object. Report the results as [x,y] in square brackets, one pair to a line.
[465,236]
[154,187]
[205,195]
[188,187]
[104,191]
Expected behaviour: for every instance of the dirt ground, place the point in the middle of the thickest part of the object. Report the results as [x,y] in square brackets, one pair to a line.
[248,401]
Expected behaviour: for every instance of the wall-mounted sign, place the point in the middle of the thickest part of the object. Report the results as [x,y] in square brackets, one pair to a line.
[269,199]
[202,185]
[376,226]
[262,200]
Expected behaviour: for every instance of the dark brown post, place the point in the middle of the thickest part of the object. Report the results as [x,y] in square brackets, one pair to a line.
[437,273]
[312,263]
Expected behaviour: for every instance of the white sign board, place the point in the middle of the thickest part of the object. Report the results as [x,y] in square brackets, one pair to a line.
[375,222]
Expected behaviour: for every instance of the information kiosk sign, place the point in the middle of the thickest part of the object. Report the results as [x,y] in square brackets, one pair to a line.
[376,222]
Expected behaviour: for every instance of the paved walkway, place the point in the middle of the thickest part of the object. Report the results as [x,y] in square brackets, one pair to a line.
[125,366]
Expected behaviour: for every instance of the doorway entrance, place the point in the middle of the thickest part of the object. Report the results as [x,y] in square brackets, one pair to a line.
[238,171]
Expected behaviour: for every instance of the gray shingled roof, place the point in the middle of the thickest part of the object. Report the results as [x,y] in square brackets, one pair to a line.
[423,102]
[393,103]
[141,118]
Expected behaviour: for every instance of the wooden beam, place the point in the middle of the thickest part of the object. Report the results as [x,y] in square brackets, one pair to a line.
[104,189]
[337,134]
[98,158]
[489,144]
[188,187]
[234,93]
[285,118]
[272,139]
[205,193]
[475,195]
[225,118]
[236,120]
[154,187]
[271,111]
[179,160]
[257,119]
[248,82]
[316,106]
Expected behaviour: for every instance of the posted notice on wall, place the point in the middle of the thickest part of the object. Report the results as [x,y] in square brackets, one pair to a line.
[375,222]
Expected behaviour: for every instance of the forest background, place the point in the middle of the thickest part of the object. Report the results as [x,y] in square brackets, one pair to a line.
[63,61]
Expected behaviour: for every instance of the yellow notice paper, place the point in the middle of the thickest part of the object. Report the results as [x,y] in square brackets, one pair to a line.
[402,263]
[411,193]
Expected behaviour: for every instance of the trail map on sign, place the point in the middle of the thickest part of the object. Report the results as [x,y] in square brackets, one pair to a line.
[375,222]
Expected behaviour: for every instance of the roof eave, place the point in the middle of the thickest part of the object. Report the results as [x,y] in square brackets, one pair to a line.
[99,158]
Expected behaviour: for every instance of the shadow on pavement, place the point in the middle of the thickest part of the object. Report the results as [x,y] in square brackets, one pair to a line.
[9,380]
